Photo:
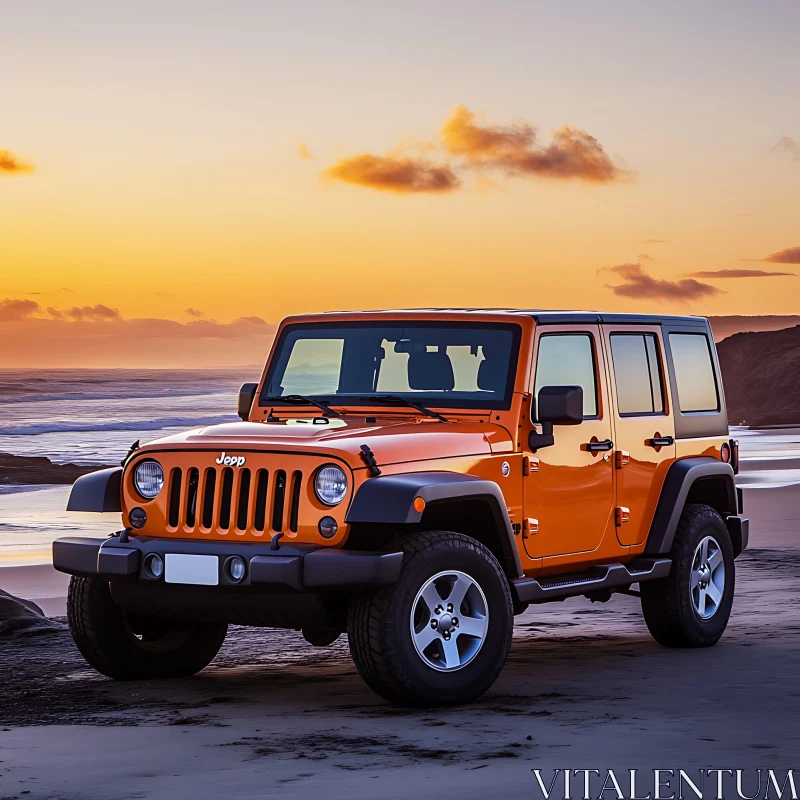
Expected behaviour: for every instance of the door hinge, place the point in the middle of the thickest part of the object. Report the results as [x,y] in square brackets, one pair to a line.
[623,514]
[623,458]
[529,526]
[530,464]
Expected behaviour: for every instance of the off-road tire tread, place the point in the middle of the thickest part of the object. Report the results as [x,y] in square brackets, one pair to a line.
[666,616]
[374,656]
[96,624]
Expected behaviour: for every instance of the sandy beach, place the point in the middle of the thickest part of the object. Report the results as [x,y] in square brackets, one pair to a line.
[585,687]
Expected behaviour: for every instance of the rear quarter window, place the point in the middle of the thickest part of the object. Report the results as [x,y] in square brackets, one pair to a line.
[694,372]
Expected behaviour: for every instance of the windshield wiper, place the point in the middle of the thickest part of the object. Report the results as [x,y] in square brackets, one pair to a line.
[395,399]
[301,399]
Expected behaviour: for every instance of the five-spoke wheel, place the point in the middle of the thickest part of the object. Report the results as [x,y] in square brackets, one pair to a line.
[449,620]
[708,577]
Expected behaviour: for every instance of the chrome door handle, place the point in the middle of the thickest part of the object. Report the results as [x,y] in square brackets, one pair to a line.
[599,447]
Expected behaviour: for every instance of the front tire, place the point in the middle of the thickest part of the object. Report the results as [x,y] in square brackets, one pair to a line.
[692,605]
[441,634]
[125,647]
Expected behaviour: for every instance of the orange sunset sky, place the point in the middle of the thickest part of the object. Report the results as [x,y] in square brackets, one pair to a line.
[176,177]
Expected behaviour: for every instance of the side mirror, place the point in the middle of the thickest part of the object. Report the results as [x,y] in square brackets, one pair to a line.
[556,405]
[247,394]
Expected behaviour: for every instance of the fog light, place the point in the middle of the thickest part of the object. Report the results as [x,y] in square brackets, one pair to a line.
[235,568]
[153,565]
[328,527]
[138,518]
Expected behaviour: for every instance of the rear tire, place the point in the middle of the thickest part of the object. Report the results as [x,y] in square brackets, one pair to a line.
[692,605]
[125,647]
[407,659]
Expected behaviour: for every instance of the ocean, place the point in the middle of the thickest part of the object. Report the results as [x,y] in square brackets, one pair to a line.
[93,416]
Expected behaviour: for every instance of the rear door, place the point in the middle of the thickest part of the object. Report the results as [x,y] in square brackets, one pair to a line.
[644,427]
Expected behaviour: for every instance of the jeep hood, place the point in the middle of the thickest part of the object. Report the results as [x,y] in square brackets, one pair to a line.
[392,441]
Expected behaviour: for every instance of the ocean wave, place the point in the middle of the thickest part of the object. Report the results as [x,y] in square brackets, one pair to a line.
[33,429]
[156,395]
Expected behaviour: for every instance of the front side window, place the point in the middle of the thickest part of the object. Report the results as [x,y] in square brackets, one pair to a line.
[438,364]
[694,372]
[568,360]
[637,373]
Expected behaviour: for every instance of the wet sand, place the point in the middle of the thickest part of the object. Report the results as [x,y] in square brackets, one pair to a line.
[585,687]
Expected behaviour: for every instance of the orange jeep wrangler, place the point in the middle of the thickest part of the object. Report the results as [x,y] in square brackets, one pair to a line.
[415,479]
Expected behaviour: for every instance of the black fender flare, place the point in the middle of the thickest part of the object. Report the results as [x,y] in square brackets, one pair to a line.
[98,491]
[682,475]
[389,499]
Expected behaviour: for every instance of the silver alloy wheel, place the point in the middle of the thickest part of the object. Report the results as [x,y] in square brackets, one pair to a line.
[708,578]
[449,620]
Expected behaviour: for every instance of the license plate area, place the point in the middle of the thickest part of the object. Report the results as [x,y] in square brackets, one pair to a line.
[191,569]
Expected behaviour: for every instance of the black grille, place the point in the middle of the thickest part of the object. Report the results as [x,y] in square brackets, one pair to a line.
[278,500]
[244,500]
[260,516]
[208,497]
[225,499]
[174,498]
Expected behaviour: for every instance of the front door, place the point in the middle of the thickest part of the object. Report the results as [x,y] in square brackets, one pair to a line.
[644,427]
[569,494]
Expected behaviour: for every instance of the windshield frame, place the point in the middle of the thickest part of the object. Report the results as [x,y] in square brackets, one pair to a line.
[430,401]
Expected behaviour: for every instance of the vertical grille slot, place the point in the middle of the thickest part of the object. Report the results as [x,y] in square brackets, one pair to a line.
[208,497]
[260,515]
[294,502]
[174,498]
[225,499]
[279,500]
[244,498]
[192,485]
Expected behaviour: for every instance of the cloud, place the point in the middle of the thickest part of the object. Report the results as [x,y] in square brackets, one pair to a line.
[514,150]
[98,313]
[303,152]
[644,257]
[639,285]
[98,336]
[654,241]
[789,146]
[791,255]
[737,273]
[193,312]
[404,175]
[12,165]
[12,309]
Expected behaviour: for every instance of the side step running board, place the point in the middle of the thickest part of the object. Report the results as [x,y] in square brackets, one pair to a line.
[603,576]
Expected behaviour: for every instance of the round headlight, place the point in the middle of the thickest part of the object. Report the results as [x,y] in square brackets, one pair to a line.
[148,479]
[330,485]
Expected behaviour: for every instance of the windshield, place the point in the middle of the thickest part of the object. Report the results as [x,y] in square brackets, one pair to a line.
[434,364]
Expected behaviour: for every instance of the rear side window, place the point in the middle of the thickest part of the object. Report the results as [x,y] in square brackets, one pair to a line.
[637,373]
[568,360]
[694,372]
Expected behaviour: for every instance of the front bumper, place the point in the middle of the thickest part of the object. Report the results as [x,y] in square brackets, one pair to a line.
[293,568]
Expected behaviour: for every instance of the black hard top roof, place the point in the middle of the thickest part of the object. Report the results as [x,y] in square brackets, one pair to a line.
[554,317]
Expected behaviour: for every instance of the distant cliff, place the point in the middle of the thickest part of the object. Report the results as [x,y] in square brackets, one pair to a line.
[761,373]
[727,326]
